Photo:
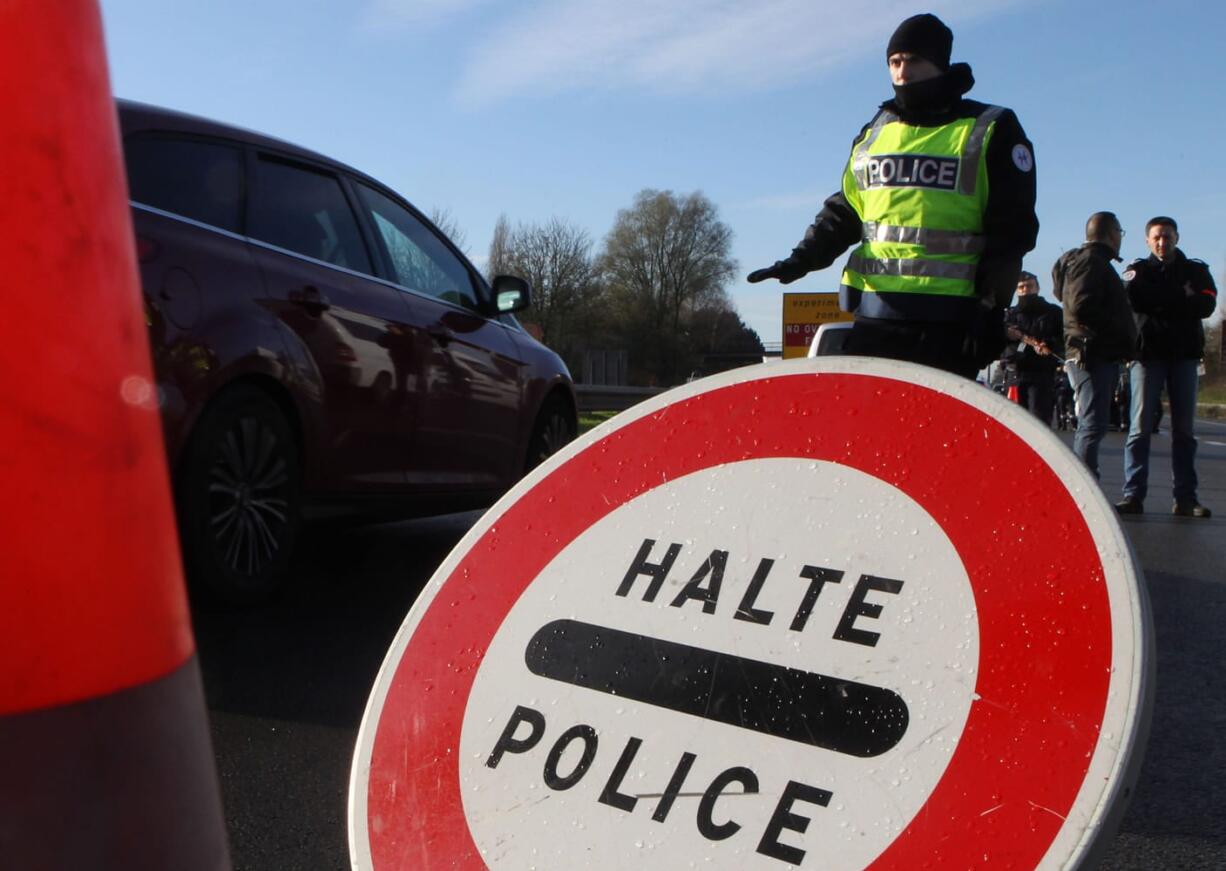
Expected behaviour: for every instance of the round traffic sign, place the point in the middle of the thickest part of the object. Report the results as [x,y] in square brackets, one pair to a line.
[838,611]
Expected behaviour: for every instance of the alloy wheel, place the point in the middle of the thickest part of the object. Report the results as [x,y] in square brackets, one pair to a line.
[248,499]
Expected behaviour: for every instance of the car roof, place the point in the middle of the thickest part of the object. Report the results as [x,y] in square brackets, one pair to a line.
[136,117]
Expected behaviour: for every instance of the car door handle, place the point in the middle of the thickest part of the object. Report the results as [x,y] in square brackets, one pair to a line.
[442,335]
[310,299]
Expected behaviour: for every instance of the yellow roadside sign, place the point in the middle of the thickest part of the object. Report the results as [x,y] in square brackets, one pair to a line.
[803,313]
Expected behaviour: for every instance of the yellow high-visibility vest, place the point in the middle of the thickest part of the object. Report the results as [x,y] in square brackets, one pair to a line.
[920,193]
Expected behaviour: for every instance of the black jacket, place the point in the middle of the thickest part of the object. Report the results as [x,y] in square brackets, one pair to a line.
[1170,300]
[1010,225]
[1035,317]
[1098,323]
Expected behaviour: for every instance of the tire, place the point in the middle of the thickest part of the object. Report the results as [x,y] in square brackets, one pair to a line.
[554,430]
[239,499]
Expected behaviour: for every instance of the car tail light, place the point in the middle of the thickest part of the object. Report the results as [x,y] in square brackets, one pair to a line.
[345,353]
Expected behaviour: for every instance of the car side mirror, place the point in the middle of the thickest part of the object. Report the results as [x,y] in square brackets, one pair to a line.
[511,293]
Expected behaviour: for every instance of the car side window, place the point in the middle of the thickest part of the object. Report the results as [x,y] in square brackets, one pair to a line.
[196,179]
[419,259]
[305,211]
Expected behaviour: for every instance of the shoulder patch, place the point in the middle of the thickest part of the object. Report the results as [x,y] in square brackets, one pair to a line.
[1129,275]
[1022,158]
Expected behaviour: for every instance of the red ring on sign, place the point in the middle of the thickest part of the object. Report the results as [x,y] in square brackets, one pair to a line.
[1039,586]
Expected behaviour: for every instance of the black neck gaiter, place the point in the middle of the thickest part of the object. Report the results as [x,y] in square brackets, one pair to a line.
[931,96]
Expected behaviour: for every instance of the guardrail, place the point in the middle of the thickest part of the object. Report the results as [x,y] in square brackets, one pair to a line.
[598,397]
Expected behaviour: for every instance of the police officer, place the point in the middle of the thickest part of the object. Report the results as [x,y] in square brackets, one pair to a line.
[1035,330]
[1170,294]
[939,194]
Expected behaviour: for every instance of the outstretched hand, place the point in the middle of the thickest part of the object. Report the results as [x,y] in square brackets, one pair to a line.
[784,270]
[763,274]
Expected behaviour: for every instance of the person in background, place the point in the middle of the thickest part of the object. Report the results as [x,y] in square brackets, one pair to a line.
[1099,331]
[1035,330]
[1171,294]
[939,194]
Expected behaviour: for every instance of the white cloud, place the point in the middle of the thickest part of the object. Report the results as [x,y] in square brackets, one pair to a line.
[687,46]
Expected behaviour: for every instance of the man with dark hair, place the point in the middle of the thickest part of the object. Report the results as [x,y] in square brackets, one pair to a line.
[1171,294]
[1035,331]
[939,194]
[1098,328]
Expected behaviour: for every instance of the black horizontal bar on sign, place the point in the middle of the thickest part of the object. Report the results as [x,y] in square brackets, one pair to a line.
[844,716]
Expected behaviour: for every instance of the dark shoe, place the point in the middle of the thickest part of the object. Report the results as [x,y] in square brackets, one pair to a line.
[1130,505]
[1191,509]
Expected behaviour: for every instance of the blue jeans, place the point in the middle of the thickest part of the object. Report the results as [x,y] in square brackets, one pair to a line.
[1093,387]
[1148,378]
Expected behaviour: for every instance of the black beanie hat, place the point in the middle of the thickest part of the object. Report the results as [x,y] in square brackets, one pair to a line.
[924,35]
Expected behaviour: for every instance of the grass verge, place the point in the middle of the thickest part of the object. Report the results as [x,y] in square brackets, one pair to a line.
[1214,392]
[589,419]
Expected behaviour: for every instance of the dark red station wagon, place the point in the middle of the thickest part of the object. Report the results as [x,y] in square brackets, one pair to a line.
[319,346]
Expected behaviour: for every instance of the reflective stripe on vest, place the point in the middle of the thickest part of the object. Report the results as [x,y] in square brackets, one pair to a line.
[973,151]
[936,241]
[859,157]
[920,198]
[913,268]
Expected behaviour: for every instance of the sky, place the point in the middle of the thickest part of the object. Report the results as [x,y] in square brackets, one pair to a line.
[568,108]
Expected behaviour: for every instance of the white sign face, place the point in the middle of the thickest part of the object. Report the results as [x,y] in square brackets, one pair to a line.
[831,612]
[825,517]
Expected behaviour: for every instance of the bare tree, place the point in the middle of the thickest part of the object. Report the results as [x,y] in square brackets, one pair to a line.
[445,221]
[1215,351]
[556,257]
[719,339]
[497,262]
[665,257]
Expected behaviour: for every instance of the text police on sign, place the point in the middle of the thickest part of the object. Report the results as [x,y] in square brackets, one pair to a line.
[789,616]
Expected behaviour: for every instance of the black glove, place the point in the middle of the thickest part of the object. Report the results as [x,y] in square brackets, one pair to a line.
[783,270]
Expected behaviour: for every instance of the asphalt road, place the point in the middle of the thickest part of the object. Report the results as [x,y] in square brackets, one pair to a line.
[287,683]
[1177,819]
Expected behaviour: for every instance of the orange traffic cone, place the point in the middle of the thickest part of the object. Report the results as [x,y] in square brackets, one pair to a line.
[105,761]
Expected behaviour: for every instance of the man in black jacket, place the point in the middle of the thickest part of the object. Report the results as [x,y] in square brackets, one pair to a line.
[941,221]
[1170,294]
[1099,330]
[1035,331]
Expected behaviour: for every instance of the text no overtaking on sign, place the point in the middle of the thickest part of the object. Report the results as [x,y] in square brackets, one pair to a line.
[835,613]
